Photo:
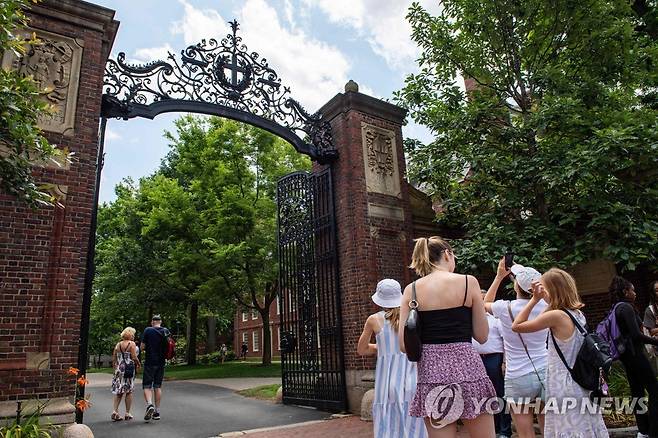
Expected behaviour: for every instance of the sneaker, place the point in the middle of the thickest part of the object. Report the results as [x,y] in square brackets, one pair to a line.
[149,412]
[156,415]
[642,435]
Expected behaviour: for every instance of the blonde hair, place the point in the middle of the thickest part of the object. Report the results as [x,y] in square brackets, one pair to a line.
[127,333]
[562,290]
[427,254]
[393,317]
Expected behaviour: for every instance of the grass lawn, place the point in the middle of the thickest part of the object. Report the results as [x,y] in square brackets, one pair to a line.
[265,392]
[215,371]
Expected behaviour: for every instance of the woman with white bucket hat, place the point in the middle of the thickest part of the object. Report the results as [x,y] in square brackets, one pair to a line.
[395,378]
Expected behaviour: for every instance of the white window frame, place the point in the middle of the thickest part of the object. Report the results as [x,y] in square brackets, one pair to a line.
[255,341]
[244,316]
[254,314]
[245,338]
[278,307]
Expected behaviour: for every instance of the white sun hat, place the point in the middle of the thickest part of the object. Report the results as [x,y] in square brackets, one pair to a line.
[525,276]
[388,294]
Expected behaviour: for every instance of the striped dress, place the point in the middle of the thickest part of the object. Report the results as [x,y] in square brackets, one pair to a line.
[395,384]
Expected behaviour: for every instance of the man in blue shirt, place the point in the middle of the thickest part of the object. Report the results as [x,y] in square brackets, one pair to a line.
[153,342]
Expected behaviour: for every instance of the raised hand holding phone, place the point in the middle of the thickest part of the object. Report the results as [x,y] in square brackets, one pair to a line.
[502,271]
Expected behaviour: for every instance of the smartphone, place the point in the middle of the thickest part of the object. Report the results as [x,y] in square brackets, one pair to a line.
[509,260]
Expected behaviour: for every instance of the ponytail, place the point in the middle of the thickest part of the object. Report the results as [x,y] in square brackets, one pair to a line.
[427,254]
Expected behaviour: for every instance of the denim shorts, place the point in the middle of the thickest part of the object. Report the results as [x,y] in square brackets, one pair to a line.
[526,387]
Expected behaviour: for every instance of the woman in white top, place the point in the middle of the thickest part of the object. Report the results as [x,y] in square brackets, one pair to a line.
[525,355]
[564,418]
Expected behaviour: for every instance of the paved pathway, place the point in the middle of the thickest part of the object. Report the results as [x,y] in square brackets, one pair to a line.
[190,410]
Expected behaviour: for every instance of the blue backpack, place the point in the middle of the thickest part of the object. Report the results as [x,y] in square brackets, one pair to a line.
[608,330]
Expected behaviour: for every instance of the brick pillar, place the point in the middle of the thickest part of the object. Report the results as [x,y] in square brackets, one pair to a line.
[373,217]
[43,252]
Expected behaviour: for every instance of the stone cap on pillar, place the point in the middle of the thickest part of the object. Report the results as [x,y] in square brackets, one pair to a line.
[352,100]
[82,14]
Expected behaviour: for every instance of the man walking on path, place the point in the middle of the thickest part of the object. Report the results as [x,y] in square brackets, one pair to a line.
[153,341]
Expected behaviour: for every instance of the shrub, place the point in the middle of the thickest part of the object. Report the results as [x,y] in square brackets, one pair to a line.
[30,428]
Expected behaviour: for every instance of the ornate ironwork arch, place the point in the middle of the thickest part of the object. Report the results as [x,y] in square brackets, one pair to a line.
[217,78]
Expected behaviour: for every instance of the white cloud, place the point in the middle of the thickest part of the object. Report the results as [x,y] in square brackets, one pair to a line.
[314,70]
[382,22]
[148,54]
[111,135]
[199,24]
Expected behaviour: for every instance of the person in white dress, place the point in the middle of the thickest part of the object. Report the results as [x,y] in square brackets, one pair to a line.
[569,412]
[395,376]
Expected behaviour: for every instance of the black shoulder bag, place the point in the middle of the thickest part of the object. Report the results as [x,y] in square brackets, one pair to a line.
[128,367]
[412,343]
[593,361]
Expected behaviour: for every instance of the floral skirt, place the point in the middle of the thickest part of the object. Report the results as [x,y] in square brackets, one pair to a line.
[122,385]
[452,384]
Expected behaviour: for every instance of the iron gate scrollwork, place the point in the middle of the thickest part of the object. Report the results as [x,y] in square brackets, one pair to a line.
[311,335]
[221,78]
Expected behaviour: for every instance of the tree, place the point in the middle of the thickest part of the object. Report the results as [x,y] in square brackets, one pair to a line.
[232,170]
[554,152]
[200,233]
[21,142]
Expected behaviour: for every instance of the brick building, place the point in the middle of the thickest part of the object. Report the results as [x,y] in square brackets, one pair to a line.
[43,252]
[248,328]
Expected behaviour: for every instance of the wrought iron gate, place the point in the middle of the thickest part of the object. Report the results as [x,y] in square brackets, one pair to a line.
[311,330]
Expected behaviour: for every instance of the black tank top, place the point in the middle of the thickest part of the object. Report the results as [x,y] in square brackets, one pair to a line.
[444,326]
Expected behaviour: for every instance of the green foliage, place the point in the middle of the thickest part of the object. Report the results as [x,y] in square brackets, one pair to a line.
[555,154]
[216,357]
[29,428]
[21,141]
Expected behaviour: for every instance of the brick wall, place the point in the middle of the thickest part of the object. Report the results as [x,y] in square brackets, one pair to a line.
[370,247]
[43,252]
[254,324]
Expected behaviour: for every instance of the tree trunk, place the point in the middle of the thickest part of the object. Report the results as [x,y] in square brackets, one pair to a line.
[192,313]
[149,315]
[211,339]
[267,344]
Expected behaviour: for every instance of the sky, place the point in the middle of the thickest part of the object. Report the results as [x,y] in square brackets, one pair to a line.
[315,46]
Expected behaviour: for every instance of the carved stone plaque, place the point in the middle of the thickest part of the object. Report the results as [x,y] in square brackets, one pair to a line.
[381,160]
[54,64]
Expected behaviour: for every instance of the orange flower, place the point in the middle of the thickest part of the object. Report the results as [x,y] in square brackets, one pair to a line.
[73,371]
[82,381]
[82,404]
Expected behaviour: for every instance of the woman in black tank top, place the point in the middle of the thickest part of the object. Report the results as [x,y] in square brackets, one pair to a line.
[452,381]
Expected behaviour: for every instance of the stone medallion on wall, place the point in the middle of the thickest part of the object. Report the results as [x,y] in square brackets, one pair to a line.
[381,160]
[54,64]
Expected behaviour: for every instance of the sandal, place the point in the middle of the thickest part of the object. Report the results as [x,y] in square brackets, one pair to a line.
[129,416]
[116,416]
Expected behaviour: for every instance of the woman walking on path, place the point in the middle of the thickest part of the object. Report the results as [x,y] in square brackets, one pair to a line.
[562,419]
[639,373]
[525,355]
[395,379]
[452,381]
[125,364]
